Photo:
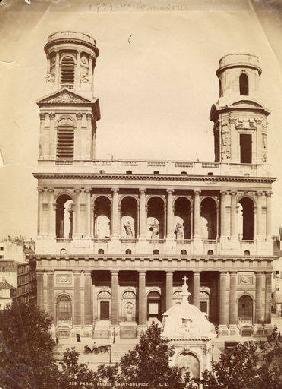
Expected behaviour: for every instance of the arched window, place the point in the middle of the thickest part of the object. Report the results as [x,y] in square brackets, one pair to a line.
[246,218]
[64,217]
[65,139]
[64,311]
[244,84]
[208,218]
[67,72]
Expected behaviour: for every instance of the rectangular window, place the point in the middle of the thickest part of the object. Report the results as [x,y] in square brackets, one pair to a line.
[246,148]
[65,143]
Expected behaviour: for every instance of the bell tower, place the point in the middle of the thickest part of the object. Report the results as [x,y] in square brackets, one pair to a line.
[68,114]
[240,120]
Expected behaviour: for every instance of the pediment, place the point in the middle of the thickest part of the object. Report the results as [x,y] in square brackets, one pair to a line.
[64,96]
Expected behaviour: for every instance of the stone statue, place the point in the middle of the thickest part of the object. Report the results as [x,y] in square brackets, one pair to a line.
[128,229]
[179,231]
[84,69]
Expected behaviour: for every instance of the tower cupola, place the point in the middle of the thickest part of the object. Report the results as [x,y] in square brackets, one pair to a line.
[240,120]
[71,58]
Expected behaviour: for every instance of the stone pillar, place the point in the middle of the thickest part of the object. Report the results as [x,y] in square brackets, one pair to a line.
[142,215]
[197,214]
[233,309]
[50,294]
[268,280]
[88,309]
[114,300]
[223,215]
[52,137]
[260,297]
[170,215]
[196,289]
[88,213]
[82,285]
[142,299]
[115,222]
[76,214]
[76,299]
[258,218]
[168,289]
[268,215]
[57,71]
[234,224]
[45,292]
[39,212]
[223,307]
[39,284]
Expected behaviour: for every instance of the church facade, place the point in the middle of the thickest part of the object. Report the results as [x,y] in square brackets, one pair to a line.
[116,237]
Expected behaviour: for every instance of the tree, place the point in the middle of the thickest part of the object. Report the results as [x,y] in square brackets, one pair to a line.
[248,366]
[74,375]
[147,363]
[26,349]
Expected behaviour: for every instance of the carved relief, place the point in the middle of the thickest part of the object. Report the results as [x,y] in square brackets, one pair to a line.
[64,97]
[226,141]
[84,69]
[128,305]
[50,77]
[64,279]
[245,279]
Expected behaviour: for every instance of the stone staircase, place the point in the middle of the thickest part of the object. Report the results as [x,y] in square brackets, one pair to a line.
[102,329]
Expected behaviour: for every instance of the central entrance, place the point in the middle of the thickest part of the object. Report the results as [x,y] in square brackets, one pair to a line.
[245,308]
[104,310]
[154,305]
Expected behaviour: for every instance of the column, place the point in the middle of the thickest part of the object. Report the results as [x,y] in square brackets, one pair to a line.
[196,289]
[88,213]
[45,292]
[234,228]
[268,215]
[82,284]
[50,293]
[258,219]
[223,215]
[197,214]
[114,300]
[142,299]
[52,214]
[259,311]
[232,299]
[223,313]
[268,280]
[76,214]
[168,289]
[88,309]
[57,71]
[76,299]
[39,284]
[142,214]
[115,214]
[52,137]
[39,211]
[170,215]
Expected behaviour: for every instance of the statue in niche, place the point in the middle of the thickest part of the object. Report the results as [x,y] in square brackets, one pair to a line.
[153,228]
[127,223]
[179,230]
[102,227]
[84,69]
[129,311]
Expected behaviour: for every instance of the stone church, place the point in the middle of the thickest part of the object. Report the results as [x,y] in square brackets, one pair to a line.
[116,237]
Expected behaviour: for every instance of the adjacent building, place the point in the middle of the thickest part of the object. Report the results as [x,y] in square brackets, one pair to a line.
[116,237]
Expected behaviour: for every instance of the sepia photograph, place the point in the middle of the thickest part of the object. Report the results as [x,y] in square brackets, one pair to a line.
[140,194]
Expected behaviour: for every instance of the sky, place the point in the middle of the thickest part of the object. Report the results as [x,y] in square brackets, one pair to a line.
[155,78]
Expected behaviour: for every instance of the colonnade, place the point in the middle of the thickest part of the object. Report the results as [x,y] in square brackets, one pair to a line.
[228,294]
[227,208]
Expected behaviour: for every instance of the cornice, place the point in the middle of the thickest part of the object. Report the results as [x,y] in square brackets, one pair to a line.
[152,177]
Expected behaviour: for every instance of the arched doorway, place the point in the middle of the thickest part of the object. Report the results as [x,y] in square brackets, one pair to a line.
[155,218]
[104,300]
[64,308]
[245,308]
[154,305]
[246,219]
[128,222]
[102,218]
[64,217]
[188,362]
[182,218]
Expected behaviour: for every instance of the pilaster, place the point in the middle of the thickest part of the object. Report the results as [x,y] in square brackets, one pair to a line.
[115,298]
[168,289]
[142,299]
